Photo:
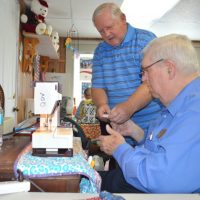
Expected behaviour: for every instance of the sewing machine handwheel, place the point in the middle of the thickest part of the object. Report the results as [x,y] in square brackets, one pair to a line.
[78,131]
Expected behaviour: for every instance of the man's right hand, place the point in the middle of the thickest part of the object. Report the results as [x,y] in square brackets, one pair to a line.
[102,110]
[109,143]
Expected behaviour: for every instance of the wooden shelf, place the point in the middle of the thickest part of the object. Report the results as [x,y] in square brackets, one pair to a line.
[45,46]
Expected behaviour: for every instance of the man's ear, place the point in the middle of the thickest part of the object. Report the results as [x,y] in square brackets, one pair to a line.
[123,17]
[171,68]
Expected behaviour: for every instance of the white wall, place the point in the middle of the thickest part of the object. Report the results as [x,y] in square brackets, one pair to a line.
[9,23]
[70,72]
[197,47]
[87,46]
[72,65]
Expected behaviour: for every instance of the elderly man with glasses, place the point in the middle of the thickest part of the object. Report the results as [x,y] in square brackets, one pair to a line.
[168,160]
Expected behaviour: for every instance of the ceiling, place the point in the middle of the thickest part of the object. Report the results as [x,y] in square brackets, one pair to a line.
[64,15]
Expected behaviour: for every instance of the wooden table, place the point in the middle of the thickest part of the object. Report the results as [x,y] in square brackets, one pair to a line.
[8,154]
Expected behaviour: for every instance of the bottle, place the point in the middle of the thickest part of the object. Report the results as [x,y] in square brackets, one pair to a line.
[1,125]
[74,110]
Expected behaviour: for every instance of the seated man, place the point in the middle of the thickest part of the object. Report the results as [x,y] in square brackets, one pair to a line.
[168,161]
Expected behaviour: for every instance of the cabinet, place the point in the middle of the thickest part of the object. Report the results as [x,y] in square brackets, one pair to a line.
[50,60]
[45,46]
[37,44]
[59,65]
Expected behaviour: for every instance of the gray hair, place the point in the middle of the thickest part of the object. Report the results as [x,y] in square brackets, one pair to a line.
[112,7]
[175,47]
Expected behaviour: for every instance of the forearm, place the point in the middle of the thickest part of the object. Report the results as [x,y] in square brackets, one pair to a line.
[129,128]
[140,98]
[138,134]
[99,97]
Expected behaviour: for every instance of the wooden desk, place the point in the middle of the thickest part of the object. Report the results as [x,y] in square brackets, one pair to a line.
[8,154]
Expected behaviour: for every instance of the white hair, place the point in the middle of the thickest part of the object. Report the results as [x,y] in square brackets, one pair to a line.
[175,47]
[112,7]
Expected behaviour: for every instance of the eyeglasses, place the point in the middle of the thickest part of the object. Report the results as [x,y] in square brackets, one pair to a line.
[147,67]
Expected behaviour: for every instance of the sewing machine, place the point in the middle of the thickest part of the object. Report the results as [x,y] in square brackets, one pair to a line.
[50,139]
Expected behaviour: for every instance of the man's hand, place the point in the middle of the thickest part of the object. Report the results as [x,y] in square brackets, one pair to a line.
[101,111]
[109,143]
[129,128]
[120,113]
[138,100]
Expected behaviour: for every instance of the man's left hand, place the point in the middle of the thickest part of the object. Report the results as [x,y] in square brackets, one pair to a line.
[120,113]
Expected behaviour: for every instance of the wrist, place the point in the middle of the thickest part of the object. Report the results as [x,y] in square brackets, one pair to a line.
[101,104]
[138,135]
[131,106]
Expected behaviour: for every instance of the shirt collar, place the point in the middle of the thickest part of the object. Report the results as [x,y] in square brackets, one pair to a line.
[187,92]
[130,34]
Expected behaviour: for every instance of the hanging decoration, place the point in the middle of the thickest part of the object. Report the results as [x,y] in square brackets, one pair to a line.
[69,45]
[72,42]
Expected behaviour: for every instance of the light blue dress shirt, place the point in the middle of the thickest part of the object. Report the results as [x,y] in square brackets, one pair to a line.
[169,159]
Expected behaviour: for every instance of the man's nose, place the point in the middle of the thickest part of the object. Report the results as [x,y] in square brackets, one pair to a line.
[106,33]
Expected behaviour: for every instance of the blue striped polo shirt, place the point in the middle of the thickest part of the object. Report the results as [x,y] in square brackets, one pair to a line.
[117,69]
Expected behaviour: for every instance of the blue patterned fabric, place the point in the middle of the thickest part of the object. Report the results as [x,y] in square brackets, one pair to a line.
[109,196]
[34,166]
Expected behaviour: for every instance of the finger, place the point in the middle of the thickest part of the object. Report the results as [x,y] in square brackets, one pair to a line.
[110,130]
[114,112]
[116,116]
[113,125]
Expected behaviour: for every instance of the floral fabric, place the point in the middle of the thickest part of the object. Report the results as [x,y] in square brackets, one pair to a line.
[35,166]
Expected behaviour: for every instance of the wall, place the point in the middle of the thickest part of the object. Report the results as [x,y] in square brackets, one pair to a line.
[197,47]
[9,15]
[88,46]
[85,47]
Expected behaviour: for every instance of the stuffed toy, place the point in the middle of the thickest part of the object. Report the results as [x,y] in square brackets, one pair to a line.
[55,40]
[33,21]
[28,3]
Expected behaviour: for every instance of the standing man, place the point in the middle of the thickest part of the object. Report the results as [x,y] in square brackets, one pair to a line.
[117,88]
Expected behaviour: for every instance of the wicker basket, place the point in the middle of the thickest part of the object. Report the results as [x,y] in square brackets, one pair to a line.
[91,130]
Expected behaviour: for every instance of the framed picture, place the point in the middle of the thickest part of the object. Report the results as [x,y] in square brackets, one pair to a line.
[85,69]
